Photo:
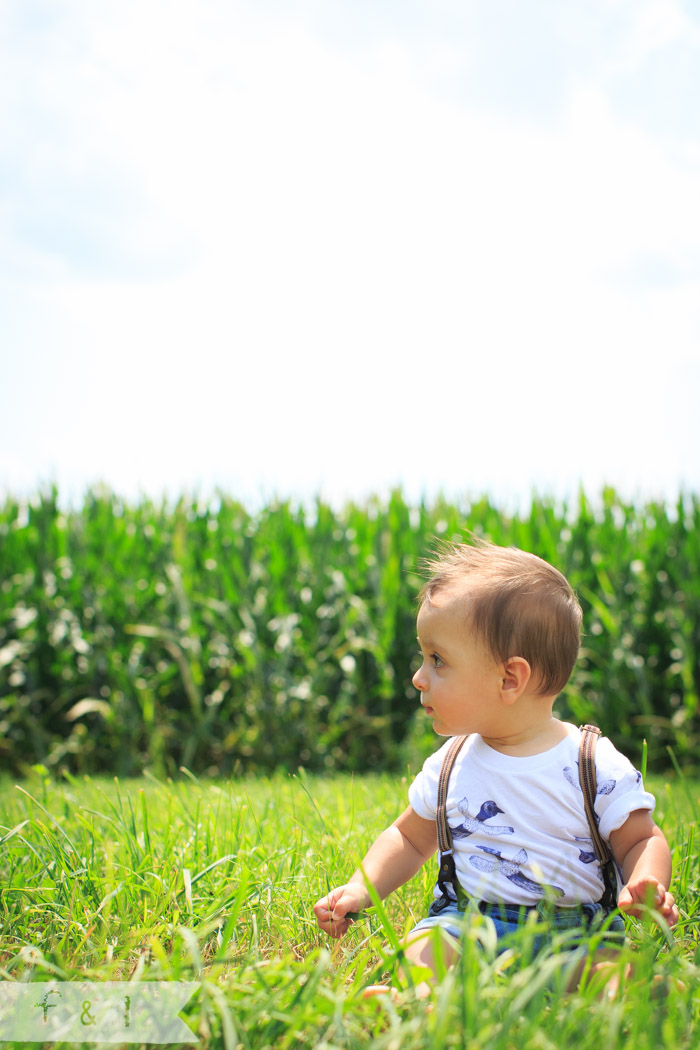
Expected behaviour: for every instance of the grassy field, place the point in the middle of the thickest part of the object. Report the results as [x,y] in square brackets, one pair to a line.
[214,881]
[203,635]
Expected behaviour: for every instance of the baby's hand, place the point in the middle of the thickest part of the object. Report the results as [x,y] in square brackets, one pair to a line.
[649,892]
[331,911]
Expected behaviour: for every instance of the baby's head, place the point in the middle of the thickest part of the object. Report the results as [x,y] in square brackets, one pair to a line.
[515,603]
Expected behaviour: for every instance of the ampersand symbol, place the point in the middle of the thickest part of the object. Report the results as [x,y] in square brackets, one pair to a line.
[87,1003]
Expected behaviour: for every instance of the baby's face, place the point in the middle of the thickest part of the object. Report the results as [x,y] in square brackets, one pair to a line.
[458,679]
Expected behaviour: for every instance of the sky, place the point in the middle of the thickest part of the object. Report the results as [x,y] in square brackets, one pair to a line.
[328,247]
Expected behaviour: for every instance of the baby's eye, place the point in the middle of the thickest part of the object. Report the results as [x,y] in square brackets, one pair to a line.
[437,659]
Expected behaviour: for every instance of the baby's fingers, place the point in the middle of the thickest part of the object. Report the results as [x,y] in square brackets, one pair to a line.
[330,913]
[626,901]
[323,910]
[634,900]
[669,909]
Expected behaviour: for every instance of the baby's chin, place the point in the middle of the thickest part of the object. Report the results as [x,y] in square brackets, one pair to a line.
[443,732]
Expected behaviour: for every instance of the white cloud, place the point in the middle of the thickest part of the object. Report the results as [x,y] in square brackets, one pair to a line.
[653,26]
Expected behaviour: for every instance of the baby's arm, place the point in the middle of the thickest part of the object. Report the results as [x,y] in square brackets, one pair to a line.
[641,850]
[393,858]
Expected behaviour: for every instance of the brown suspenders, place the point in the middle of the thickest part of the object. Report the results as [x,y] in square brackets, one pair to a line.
[587,778]
[446,871]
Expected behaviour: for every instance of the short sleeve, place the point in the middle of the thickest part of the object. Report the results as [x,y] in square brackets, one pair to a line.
[620,790]
[423,792]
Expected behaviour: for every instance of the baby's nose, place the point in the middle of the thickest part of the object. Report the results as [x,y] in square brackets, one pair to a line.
[417,679]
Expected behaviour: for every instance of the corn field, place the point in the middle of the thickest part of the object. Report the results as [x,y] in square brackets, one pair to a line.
[156,636]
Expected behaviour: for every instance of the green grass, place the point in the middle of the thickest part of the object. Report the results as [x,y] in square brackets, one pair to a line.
[214,881]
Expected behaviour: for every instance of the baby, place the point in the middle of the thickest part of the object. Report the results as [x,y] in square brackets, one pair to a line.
[499,633]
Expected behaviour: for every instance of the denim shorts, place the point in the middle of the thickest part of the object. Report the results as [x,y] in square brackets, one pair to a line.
[584,921]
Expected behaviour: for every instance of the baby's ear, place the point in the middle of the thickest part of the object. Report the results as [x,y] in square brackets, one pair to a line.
[516,675]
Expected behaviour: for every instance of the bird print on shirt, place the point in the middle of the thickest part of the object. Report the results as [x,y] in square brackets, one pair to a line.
[604,788]
[586,856]
[511,870]
[471,824]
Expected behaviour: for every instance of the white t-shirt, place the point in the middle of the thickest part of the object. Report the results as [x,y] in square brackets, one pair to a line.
[519,824]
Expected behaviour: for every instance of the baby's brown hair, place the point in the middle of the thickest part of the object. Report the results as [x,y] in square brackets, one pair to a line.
[518,604]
